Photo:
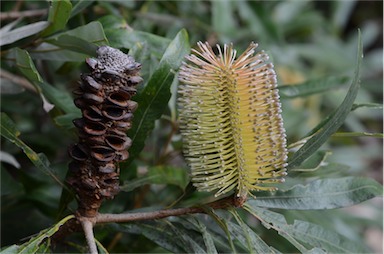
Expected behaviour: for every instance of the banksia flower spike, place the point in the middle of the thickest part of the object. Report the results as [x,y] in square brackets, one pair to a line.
[104,99]
[230,121]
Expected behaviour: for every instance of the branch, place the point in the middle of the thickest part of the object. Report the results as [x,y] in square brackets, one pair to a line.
[17,80]
[127,217]
[73,225]
[87,224]
[22,14]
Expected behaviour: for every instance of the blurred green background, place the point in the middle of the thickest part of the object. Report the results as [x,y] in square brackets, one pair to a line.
[307,41]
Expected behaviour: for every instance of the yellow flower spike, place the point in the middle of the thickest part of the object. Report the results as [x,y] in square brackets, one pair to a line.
[230,121]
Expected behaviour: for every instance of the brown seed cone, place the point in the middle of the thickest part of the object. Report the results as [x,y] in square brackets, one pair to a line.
[104,99]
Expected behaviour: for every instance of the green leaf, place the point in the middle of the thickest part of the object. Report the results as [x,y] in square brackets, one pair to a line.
[314,162]
[157,231]
[223,225]
[159,175]
[222,17]
[136,183]
[153,100]
[307,233]
[169,175]
[32,246]
[187,238]
[358,134]
[58,16]
[121,37]
[250,239]
[47,51]
[22,32]
[10,249]
[207,237]
[367,105]
[81,42]
[9,131]
[101,248]
[321,194]
[66,120]
[27,67]
[61,99]
[92,32]
[334,122]
[327,170]
[75,44]
[311,87]
[80,6]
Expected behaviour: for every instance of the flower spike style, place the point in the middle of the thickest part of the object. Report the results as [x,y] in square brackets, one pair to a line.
[230,121]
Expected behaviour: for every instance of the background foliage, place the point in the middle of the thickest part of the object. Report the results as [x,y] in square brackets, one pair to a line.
[314,48]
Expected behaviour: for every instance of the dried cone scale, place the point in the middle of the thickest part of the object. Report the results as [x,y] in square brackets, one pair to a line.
[104,100]
[230,121]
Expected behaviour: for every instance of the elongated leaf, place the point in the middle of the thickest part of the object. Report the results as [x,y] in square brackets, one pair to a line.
[187,238]
[307,233]
[207,237]
[222,17]
[223,225]
[59,98]
[47,51]
[253,242]
[22,32]
[75,44]
[80,6]
[136,183]
[9,131]
[10,249]
[72,45]
[315,251]
[101,248]
[5,28]
[169,175]
[159,175]
[358,134]
[322,194]
[157,231]
[33,245]
[58,16]
[123,38]
[66,120]
[154,98]
[314,162]
[311,87]
[334,122]
[92,32]
[367,105]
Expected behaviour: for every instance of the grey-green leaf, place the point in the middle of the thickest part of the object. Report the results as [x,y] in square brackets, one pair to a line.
[305,232]
[207,237]
[321,194]
[334,122]
[157,231]
[311,87]
[314,162]
[22,32]
[247,236]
